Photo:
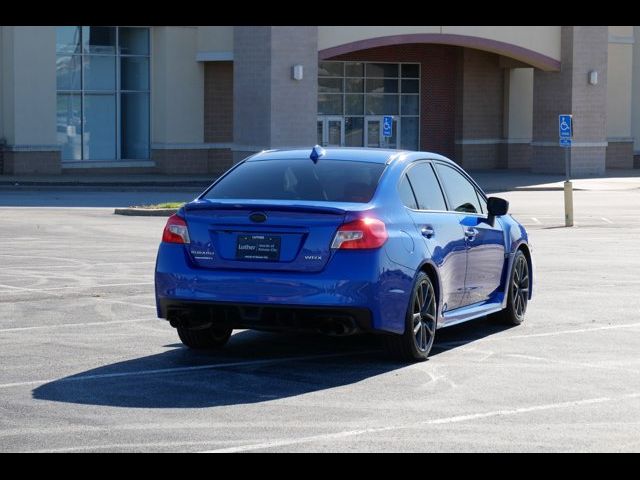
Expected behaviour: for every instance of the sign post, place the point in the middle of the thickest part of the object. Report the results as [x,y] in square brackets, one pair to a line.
[387,128]
[565,133]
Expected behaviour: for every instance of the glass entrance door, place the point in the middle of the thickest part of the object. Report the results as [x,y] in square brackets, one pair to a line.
[373,133]
[331,131]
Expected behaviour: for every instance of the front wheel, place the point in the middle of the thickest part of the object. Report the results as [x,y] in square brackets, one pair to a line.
[420,324]
[205,338]
[518,293]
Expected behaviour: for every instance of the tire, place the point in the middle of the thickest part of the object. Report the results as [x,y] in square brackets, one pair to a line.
[415,343]
[206,338]
[518,296]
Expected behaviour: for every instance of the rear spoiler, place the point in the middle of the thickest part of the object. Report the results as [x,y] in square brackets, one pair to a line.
[261,205]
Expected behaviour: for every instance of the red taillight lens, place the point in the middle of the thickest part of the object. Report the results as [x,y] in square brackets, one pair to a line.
[176,231]
[359,234]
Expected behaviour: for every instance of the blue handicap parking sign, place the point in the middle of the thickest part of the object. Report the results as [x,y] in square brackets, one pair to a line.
[565,142]
[564,126]
[387,126]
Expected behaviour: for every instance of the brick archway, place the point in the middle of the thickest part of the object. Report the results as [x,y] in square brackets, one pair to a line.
[516,52]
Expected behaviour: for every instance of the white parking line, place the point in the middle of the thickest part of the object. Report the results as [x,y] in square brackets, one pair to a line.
[86,265]
[64,259]
[582,365]
[108,300]
[437,421]
[100,299]
[457,343]
[74,287]
[160,371]
[128,446]
[25,290]
[578,330]
[62,325]
[82,287]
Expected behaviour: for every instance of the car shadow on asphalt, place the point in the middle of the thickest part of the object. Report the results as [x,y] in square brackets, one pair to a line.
[253,367]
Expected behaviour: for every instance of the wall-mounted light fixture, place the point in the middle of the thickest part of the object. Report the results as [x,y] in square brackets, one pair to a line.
[296,72]
[593,77]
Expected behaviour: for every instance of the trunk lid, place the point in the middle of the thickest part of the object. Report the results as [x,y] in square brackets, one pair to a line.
[264,235]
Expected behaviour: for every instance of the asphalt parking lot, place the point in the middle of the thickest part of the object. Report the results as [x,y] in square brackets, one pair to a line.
[86,366]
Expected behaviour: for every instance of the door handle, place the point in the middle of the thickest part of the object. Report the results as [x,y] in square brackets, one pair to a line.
[470,233]
[427,231]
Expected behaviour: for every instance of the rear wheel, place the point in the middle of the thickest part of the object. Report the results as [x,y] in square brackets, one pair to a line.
[206,338]
[420,324]
[518,295]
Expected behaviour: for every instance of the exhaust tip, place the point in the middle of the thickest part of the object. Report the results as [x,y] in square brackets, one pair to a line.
[339,327]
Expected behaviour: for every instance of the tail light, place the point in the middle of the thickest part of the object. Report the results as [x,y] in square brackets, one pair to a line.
[360,234]
[176,231]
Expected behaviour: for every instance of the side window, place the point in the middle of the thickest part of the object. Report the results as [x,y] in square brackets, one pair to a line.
[426,187]
[406,193]
[461,193]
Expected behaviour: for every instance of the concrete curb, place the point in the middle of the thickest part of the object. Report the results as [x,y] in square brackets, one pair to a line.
[531,189]
[146,212]
[113,184]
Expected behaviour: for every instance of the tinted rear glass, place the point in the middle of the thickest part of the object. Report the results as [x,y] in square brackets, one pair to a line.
[462,195]
[426,187]
[406,193]
[327,180]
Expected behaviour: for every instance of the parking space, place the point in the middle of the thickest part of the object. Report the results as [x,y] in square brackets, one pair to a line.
[86,366]
[592,208]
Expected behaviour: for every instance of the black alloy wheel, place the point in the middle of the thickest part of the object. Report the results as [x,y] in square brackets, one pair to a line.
[520,286]
[517,293]
[420,324]
[204,338]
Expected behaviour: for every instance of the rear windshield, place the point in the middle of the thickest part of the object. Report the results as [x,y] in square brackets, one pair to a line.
[327,180]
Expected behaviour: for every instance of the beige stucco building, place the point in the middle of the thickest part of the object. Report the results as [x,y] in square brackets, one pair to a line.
[194,99]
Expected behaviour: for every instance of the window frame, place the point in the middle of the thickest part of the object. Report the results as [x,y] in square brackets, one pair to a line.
[405,172]
[404,177]
[345,76]
[433,162]
[479,193]
[117,91]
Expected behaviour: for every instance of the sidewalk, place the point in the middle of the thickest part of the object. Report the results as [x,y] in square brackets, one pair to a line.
[119,181]
[509,180]
[489,180]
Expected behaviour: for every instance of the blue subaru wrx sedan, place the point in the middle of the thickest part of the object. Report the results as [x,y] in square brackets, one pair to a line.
[342,241]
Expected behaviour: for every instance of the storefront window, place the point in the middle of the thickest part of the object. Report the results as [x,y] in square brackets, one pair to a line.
[103,92]
[360,94]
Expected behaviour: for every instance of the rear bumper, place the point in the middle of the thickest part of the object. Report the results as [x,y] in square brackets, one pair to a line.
[354,283]
[328,320]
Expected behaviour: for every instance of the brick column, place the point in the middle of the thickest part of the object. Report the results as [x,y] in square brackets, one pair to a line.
[270,108]
[479,110]
[584,48]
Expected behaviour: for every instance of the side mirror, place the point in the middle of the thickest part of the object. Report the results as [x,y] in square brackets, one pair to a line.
[497,206]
